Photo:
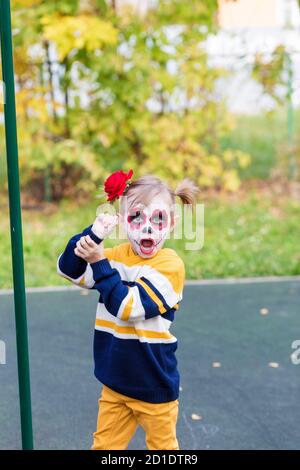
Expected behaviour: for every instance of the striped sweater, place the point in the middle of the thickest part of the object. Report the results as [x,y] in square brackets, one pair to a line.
[134,351]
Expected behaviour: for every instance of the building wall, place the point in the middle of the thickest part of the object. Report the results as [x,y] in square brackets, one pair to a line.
[248,13]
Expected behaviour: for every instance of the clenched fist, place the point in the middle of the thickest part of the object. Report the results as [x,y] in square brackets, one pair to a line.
[90,251]
[104,224]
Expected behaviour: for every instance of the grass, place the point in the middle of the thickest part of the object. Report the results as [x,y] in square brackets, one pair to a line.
[262,137]
[247,238]
[252,236]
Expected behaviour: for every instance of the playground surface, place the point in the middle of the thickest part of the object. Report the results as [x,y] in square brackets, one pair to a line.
[240,389]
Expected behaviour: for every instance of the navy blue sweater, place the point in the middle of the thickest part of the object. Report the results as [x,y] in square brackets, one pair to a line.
[134,350]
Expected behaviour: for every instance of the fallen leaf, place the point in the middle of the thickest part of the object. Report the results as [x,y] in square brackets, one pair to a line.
[264,311]
[84,292]
[196,417]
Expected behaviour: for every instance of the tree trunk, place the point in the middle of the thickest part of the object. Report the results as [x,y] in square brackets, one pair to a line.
[66,98]
[51,84]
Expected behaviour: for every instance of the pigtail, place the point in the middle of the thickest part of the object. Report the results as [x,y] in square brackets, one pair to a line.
[187,191]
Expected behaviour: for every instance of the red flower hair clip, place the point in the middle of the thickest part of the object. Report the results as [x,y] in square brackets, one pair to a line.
[116,183]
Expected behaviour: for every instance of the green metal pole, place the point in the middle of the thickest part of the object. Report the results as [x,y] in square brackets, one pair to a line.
[16,224]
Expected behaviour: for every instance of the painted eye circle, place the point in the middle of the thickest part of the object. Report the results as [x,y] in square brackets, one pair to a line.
[159,218]
[136,218]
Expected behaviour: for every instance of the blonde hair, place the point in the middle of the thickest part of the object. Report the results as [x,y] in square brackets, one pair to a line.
[145,188]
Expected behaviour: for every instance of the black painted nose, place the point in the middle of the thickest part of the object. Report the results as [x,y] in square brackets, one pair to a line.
[147,230]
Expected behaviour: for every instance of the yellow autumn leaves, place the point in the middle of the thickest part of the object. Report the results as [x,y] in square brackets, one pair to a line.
[26,3]
[173,150]
[78,32]
[98,87]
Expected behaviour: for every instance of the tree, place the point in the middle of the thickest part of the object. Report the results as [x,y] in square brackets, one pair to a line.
[101,88]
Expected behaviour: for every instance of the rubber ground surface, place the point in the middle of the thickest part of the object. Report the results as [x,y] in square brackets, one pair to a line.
[251,401]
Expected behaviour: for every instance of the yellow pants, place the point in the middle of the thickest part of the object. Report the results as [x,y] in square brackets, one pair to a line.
[119,416]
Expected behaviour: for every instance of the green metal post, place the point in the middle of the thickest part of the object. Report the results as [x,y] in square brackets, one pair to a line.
[16,224]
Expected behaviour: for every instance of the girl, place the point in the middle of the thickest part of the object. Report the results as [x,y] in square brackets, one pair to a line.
[141,286]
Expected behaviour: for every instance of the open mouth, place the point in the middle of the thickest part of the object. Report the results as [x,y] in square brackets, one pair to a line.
[147,242]
[147,245]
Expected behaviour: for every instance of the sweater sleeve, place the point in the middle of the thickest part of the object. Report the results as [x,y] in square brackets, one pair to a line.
[145,298]
[74,268]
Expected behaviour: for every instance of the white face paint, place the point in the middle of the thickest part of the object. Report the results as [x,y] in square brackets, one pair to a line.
[148,226]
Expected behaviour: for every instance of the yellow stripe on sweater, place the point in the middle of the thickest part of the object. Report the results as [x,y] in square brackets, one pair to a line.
[152,295]
[127,309]
[131,330]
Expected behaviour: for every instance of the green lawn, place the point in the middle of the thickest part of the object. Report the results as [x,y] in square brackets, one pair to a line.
[251,237]
[264,137]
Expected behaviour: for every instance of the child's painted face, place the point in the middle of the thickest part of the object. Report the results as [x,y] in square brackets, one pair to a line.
[148,226]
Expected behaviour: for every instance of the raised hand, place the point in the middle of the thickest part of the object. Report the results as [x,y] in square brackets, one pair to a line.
[104,224]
